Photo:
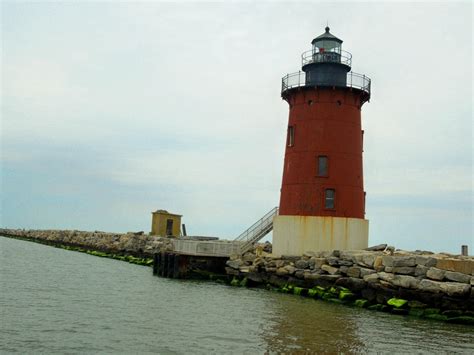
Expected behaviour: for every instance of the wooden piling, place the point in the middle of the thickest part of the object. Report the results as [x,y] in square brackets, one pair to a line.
[183,265]
[179,266]
[155,263]
[170,266]
[175,272]
[164,263]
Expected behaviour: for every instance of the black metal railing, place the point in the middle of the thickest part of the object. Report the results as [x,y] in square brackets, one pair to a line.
[298,79]
[313,56]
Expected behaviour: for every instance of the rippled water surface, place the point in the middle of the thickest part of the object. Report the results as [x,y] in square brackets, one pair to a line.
[59,301]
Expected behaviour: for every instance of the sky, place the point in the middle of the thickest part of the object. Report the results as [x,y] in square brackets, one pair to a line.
[112,110]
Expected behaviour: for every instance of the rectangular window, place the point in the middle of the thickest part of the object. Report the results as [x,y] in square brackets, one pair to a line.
[291,136]
[169,227]
[329,198]
[322,165]
[362,140]
[365,195]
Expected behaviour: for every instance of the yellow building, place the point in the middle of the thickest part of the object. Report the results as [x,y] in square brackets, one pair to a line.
[165,224]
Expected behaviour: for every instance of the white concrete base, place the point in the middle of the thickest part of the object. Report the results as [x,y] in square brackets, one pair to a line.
[294,235]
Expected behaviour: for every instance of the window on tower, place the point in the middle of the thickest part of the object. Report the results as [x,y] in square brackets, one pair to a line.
[362,140]
[329,198]
[365,195]
[322,165]
[291,136]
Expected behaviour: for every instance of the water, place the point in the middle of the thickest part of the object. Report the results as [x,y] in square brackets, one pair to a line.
[59,301]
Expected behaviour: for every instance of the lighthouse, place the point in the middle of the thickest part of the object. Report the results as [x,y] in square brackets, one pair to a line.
[322,201]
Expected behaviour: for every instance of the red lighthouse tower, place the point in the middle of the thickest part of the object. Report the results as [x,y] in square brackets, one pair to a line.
[322,203]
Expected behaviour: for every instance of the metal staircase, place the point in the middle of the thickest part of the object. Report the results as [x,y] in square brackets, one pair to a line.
[257,231]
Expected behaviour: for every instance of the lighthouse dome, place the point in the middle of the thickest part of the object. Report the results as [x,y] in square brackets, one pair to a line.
[326,36]
[327,42]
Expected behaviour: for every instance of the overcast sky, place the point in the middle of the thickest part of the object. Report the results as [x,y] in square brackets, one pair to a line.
[113,110]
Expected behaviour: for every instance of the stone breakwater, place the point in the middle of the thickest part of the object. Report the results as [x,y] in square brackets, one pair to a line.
[437,286]
[424,284]
[133,247]
[136,248]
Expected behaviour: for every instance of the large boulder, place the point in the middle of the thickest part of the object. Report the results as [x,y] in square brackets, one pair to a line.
[457,277]
[249,257]
[379,247]
[267,247]
[280,263]
[330,269]
[404,270]
[364,258]
[385,276]
[343,269]
[455,288]
[435,273]
[235,264]
[310,275]
[466,265]
[333,261]
[352,283]
[259,262]
[317,262]
[450,288]
[353,271]
[245,269]
[302,264]
[405,281]
[282,271]
[424,260]
[378,264]
[290,268]
[426,285]
[421,270]
[342,262]
[371,278]
[368,260]
[404,260]
[365,271]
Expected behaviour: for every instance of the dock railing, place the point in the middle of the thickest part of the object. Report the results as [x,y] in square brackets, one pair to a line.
[206,248]
[240,245]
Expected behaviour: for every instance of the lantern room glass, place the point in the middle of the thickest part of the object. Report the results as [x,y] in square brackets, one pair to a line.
[327,45]
[326,50]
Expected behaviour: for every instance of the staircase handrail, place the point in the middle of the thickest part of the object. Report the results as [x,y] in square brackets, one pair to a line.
[245,235]
[246,246]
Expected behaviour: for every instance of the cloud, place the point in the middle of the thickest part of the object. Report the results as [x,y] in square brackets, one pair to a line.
[109,112]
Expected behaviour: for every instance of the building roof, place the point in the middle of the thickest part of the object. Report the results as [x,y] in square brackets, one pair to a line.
[326,36]
[166,212]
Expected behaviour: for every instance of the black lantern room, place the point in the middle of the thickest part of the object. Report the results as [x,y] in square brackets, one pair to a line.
[326,64]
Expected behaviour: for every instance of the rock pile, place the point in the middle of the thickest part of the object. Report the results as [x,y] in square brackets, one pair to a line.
[442,281]
[134,244]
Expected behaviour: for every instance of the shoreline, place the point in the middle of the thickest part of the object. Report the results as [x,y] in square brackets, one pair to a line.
[137,245]
[420,284]
[128,258]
